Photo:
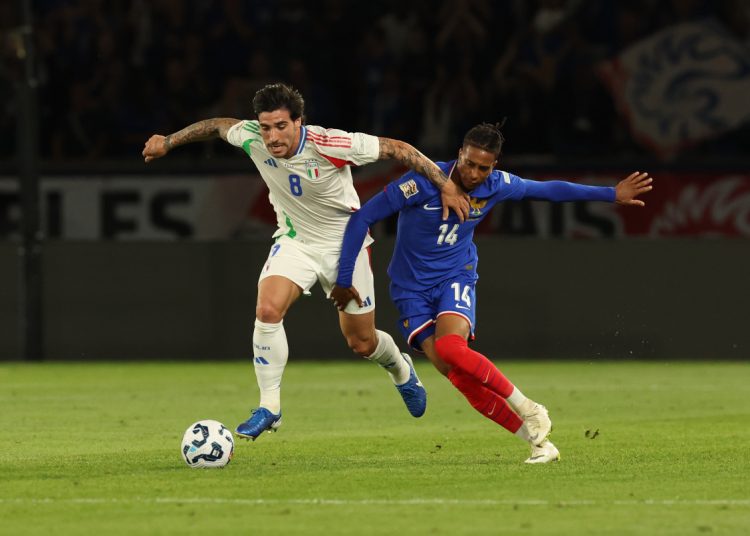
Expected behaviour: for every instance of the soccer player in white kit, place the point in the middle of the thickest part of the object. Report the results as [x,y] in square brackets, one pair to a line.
[307,171]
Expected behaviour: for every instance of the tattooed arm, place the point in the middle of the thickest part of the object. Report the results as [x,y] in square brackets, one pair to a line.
[158,146]
[453,198]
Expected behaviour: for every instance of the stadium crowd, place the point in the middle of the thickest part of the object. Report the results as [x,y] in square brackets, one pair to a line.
[113,72]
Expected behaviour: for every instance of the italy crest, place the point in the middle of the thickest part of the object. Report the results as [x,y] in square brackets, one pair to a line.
[312,169]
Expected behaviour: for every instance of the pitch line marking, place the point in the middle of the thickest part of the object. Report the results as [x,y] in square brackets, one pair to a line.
[383,502]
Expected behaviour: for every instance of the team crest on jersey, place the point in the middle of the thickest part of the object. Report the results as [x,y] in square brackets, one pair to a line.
[476,206]
[409,188]
[406,323]
[312,168]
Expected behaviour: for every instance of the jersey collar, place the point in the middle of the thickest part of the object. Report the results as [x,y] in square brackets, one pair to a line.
[302,139]
[453,167]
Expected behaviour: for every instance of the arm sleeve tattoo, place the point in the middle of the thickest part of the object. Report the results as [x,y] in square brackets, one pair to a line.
[202,130]
[413,159]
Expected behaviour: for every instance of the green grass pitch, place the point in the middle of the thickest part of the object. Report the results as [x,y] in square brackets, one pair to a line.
[94,449]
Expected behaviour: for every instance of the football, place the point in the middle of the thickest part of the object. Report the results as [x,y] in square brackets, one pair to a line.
[207,444]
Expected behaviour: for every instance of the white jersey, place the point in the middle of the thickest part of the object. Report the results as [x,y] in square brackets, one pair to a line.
[312,191]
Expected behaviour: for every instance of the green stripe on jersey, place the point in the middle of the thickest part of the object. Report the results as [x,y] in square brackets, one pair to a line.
[251,127]
[246,145]
[292,233]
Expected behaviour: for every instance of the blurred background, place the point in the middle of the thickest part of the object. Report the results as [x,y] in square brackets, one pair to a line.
[103,257]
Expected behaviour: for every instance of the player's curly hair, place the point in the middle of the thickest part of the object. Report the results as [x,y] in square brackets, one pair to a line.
[279,96]
[486,136]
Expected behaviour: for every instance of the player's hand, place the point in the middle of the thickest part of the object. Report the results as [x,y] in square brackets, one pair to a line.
[631,187]
[455,199]
[156,147]
[342,296]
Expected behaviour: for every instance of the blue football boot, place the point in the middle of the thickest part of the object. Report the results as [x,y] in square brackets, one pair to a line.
[413,392]
[260,420]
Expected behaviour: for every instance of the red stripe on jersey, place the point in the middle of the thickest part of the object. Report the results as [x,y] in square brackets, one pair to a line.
[335,145]
[329,144]
[337,138]
[330,141]
[325,135]
[338,162]
[333,137]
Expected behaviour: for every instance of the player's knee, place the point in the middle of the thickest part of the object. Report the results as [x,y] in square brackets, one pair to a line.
[428,347]
[450,348]
[363,346]
[360,336]
[268,313]
[442,367]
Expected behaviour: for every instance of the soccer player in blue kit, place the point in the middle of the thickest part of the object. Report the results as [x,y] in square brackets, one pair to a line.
[433,272]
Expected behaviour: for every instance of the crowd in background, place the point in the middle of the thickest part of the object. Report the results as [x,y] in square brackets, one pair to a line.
[113,72]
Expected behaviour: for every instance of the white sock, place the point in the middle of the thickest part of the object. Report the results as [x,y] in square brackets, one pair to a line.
[270,354]
[519,402]
[523,433]
[388,356]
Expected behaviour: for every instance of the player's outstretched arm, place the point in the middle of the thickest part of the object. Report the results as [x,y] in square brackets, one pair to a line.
[624,193]
[631,187]
[158,146]
[374,210]
[453,198]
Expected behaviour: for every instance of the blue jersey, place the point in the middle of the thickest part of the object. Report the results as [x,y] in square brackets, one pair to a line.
[429,250]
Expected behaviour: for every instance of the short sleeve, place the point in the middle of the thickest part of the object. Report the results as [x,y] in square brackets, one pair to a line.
[367,148]
[240,132]
[244,134]
[346,148]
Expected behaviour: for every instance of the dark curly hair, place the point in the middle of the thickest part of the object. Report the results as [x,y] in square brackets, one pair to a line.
[487,137]
[279,96]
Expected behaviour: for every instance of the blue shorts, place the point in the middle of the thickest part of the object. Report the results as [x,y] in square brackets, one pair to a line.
[419,310]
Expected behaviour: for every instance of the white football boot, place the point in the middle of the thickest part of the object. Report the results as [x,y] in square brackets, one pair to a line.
[538,424]
[544,453]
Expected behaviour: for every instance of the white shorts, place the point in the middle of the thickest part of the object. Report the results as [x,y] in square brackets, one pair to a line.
[303,265]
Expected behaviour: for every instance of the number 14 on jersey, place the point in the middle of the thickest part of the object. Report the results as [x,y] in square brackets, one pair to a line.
[446,236]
